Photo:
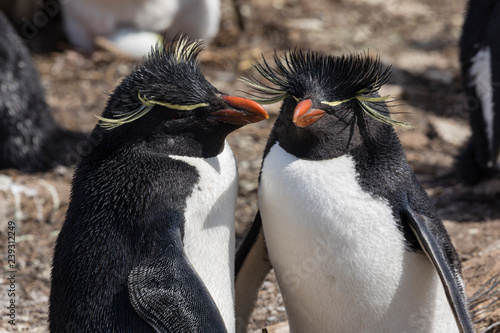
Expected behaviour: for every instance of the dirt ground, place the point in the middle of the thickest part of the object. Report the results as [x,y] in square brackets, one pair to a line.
[418,38]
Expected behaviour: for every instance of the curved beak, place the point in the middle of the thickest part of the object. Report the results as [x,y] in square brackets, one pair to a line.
[243,111]
[304,115]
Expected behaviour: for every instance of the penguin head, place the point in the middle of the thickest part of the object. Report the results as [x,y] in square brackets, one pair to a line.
[167,98]
[327,100]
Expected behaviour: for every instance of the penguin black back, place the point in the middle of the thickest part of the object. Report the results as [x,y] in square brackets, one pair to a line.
[119,263]
[30,140]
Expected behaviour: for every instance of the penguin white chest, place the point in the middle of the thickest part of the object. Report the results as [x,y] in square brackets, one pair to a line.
[209,227]
[339,257]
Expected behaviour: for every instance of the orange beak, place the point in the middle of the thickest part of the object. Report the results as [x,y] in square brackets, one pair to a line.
[245,111]
[304,115]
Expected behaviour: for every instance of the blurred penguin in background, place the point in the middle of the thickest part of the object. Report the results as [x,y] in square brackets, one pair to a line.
[135,25]
[38,22]
[478,164]
[16,10]
[30,139]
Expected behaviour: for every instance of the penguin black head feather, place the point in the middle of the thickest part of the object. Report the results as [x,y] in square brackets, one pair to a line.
[168,94]
[330,105]
[167,76]
[333,82]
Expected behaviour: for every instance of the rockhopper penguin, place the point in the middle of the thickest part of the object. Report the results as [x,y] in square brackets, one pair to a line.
[30,139]
[353,238]
[148,241]
[478,165]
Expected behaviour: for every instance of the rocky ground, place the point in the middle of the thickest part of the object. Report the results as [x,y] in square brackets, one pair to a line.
[419,39]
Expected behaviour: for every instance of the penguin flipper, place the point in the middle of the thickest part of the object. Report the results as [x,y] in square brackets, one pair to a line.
[168,294]
[421,226]
[251,267]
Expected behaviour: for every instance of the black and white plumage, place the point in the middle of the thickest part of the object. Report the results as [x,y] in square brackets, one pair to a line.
[148,241]
[30,139]
[353,238]
[478,165]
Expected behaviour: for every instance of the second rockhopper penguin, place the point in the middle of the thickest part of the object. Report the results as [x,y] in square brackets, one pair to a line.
[148,241]
[353,238]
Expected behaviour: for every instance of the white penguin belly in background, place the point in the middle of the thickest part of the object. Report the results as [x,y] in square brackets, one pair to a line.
[339,257]
[209,233]
[135,42]
[134,25]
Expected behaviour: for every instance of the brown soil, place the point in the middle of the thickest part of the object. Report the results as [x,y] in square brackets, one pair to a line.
[419,38]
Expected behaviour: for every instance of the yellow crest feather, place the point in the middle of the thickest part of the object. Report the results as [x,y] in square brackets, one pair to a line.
[179,107]
[362,100]
[109,123]
[146,106]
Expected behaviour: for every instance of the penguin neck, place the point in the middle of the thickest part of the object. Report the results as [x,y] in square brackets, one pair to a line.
[329,139]
[202,142]
[192,144]
[317,142]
